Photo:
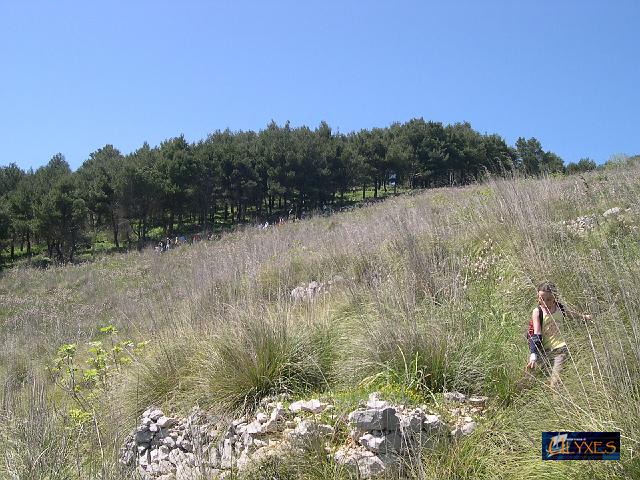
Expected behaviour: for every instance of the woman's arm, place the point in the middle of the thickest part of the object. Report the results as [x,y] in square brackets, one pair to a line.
[575,315]
[535,342]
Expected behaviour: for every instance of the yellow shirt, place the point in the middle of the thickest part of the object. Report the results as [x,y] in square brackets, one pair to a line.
[551,338]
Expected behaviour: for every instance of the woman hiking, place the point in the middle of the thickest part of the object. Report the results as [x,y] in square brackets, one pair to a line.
[546,344]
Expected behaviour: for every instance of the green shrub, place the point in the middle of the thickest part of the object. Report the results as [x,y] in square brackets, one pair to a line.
[258,356]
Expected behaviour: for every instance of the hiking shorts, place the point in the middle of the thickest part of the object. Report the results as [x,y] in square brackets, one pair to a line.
[552,361]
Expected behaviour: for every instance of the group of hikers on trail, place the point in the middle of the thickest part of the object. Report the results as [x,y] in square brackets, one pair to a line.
[547,348]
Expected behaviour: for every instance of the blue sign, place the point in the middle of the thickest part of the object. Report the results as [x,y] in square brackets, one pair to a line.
[580,445]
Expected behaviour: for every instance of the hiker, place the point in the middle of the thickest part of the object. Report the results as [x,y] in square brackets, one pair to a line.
[547,347]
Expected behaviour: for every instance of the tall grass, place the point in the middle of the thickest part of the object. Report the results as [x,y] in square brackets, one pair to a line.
[437,291]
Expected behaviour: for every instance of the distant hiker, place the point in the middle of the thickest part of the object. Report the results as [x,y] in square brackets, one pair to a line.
[546,344]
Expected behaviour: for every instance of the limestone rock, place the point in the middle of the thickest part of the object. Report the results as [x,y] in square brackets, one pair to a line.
[455,397]
[166,422]
[478,401]
[143,436]
[311,406]
[468,428]
[374,419]
[155,414]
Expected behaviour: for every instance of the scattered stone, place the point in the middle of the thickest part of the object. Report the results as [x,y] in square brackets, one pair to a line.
[612,211]
[455,397]
[155,414]
[468,428]
[373,419]
[261,417]
[143,436]
[166,422]
[384,437]
[478,401]
[311,406]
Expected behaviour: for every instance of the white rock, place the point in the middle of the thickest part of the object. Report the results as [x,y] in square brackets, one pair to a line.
[159,454]
[144,460]
[371,442]
[169,442]
[278,413]
[478,401]
[178,457]
[311,406]
[166,422]
[166,467]
[373,466]
[254,428]
[243,460]
[184,472]
[306,429]
[455,397]
[227,458]
[433,424]
[366,463]
[298,293]
[412,423]
[155,414]
[468,428]
[612,211]
[261,417]
[372,419]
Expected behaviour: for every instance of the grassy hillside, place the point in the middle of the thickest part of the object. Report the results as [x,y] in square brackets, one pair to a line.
[433,293]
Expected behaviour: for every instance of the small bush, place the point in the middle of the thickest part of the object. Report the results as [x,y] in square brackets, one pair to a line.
[260,356]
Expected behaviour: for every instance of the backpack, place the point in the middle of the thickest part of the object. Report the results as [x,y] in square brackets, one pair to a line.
[541,316]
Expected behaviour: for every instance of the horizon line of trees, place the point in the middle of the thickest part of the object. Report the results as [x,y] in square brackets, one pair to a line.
[231,177]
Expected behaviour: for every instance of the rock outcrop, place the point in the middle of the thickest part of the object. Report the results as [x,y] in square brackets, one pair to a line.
[202,446]
[385,436]
[382,437]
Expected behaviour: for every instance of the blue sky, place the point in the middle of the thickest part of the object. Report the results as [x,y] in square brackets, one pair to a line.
[76,75]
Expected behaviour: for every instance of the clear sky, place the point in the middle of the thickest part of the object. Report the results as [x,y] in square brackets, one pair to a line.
[76,75]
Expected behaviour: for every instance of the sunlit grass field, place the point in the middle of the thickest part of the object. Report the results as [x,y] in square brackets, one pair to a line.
[435,292]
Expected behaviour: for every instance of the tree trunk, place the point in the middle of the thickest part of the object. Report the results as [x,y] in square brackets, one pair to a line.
[114,226]
[364,191]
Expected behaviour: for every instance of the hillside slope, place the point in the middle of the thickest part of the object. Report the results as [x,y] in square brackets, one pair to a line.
[429,293]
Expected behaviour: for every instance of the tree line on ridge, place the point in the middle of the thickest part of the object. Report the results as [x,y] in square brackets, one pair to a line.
[234,177]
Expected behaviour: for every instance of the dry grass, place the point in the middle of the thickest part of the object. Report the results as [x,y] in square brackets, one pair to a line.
[437,289]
